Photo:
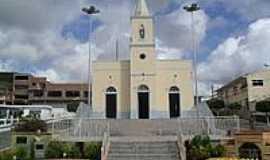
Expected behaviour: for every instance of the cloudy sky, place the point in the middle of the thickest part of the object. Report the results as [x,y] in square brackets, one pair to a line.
[49,37]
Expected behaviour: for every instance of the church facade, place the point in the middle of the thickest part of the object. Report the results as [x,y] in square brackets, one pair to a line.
[142,87]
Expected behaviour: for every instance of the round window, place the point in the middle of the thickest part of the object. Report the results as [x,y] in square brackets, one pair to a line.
[142,56]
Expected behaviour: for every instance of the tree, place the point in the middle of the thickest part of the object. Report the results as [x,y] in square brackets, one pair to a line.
[6,155]
[21,153]
[234,108]
[264,106]
[54,150]
[201,148]
[72,151]
[57,149]
[216,105]
[31,124]
[93,151]
[73,106]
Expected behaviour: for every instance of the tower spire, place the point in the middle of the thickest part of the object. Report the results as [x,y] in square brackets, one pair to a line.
[141,8]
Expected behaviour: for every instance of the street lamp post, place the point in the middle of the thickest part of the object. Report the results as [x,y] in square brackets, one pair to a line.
[193,8]
[90,11]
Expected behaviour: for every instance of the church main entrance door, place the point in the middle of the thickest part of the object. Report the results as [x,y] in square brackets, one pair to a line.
[111,103]
[174,102]
[174,105]
[143,102]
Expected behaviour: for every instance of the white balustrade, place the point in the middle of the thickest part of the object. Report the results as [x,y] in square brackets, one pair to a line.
[94,129]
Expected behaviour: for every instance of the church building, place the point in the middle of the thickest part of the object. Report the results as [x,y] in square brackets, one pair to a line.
[143,87]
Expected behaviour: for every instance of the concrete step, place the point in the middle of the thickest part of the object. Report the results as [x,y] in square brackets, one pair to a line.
[143,148]
[149,150]
[143,157]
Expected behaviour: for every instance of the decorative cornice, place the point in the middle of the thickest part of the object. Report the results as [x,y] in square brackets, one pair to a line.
[142,45]
[143,74]
[141,17]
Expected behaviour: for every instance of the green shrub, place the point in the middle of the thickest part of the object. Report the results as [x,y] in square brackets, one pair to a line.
[216,104]
[263,106]
[201,148]
[6,155]
[93,151]
[219,151]
[57,150]
[30,124]
[234,106]
[54,150]
[73,152]
[73,106]
[21,153]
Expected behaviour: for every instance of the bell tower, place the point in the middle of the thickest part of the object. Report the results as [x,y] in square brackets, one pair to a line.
[142,42]
[142,62]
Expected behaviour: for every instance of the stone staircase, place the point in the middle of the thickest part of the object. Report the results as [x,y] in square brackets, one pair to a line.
[144,148]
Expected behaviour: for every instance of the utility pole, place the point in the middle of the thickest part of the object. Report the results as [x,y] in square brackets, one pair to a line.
[117,50]
[90,11]
[193,8]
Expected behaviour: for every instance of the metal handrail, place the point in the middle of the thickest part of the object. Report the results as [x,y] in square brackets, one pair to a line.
[105,146]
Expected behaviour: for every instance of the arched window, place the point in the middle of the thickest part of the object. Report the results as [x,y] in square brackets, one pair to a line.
[143,88]
[111,102]
[111,90]
[143,102]
[174,89]
[174,102]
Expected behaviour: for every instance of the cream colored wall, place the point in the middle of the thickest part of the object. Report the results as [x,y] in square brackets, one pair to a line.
[229,95]
[149,31]
[259,92]
[157,75]
[240,96]
[136,81]
[174,73]
[147,65]
[120,79]
[143,71]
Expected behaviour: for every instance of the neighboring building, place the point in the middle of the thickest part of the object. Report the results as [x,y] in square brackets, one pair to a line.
[142,87]
[247,90]
[25,89]
[249,145]
[10,114]
[6,87]
[33,143]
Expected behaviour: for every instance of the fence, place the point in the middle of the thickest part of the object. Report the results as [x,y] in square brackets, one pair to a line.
[73,129]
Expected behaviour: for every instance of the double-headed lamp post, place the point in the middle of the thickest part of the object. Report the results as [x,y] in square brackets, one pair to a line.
[91,10]
[193,8]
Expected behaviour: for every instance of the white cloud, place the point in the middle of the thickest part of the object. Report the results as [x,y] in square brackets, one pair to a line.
[174,31]
[51,75]
[238,55]
[30,37]
[249,9]
[37,15]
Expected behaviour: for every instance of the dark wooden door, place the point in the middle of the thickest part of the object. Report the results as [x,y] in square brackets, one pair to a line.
[143,99]
[111,106]
[174,100]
